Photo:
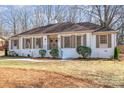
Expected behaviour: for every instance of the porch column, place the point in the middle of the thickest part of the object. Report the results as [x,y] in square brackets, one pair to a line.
[88,39]
[59,41]
[10,44]
[113,41]
[32,43]
[59,46]
[20,43]
[45,42]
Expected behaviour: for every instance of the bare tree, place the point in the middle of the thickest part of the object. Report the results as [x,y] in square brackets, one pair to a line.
[1,25]
[72,13]
[11,19]
[23,18]
[59,13]
[16,19]
[47,10]
[106,15]
[38,17]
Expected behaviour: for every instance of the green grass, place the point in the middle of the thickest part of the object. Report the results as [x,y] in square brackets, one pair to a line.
[107,72]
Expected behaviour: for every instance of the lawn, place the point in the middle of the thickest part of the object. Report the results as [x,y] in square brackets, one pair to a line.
[106,73]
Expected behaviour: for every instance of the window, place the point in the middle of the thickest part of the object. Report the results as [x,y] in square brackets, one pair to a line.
[78,40]
[28,43]
[103,39]
[67,42]
[15,44]
[72,41]
[38,42]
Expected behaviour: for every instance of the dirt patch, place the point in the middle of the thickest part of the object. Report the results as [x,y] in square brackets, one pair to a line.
[27,78]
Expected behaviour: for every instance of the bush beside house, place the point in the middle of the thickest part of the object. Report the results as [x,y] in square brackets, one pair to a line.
[116,53]
[12,53]
[42,53]
[84,51]
[54,53]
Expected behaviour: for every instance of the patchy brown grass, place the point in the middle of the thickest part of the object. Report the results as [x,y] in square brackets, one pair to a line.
[35,78]
[97,73]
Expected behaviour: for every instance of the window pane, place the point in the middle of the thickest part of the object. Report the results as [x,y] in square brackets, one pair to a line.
[78,41]
[15,44]
[103,39]
[27,43]
[38,43]
[67,42]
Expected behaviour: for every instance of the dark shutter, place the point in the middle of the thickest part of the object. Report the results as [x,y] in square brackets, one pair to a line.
[62,41]
[73,41]
[109,40]
[84,40]
[18,44]
[34,42]
[41,42]
[78,41]
[31,41]
[23,43]
[48,42]
[97,41]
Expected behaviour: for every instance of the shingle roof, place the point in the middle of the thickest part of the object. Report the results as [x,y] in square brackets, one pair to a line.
[65,27]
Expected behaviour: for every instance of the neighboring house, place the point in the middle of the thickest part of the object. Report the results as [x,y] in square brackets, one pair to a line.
[2,43]
[66,37]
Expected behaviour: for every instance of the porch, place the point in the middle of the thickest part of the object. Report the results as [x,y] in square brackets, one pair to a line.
[102,46]
[30,45]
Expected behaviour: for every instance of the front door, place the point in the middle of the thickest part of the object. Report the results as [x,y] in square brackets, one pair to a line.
[53,42]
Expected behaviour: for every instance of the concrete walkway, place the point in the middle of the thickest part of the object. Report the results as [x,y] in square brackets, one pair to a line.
[30,60]
[24,59]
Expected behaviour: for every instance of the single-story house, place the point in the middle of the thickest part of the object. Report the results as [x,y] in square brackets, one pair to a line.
[66,37]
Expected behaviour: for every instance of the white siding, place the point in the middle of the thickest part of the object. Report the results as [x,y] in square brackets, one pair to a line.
[88,39]
[45,42]
[10,44]
[70,52]
[102,52]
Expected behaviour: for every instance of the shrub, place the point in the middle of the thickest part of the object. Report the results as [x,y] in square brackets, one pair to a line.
[84,51]
[116,53]
[17,55]
[12,53]
[54,53]
[28,55]
[42,53]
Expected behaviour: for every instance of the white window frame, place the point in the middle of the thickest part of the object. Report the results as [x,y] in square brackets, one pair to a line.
[69,35]
[25,42]
[13,46]
[81,40]
[34,42]
[64,41]
[103,45]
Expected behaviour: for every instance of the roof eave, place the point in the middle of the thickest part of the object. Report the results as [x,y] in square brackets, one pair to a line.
[114,32]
